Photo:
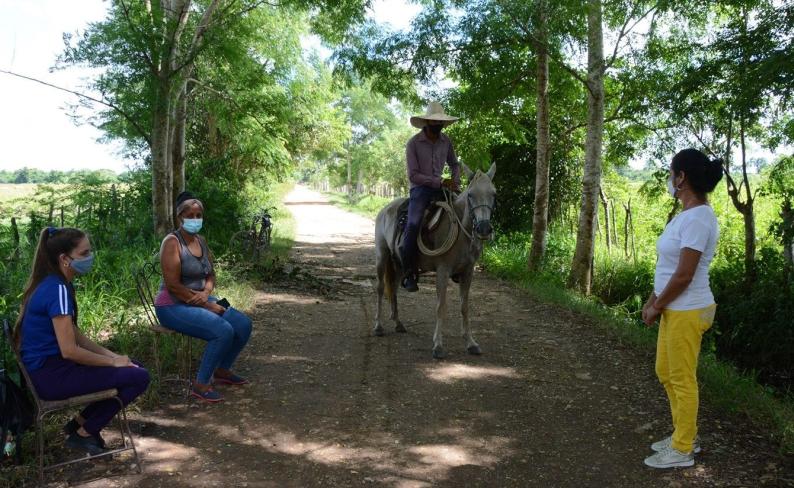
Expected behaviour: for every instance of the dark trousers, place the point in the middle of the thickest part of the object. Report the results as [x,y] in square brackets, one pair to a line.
[420,198]
[60,378]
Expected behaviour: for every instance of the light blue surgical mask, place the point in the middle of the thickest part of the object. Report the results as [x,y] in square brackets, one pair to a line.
[192,226]
[83,265]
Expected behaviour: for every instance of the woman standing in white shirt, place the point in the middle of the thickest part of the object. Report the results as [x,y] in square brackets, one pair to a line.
[683,299]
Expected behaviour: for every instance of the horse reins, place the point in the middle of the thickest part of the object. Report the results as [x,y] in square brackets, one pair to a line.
[452,236]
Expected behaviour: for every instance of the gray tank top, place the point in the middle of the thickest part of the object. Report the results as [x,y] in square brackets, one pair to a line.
[195,270]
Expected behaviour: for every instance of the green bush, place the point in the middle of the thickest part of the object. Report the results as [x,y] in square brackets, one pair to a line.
[754,324]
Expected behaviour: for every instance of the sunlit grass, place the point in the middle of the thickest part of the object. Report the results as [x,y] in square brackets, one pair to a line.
[366,205]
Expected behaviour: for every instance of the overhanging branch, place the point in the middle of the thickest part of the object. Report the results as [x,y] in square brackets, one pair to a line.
[110,105]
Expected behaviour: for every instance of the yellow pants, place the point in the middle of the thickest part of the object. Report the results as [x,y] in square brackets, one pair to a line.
[677,350]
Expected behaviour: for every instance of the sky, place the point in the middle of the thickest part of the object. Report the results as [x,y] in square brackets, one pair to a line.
[35,130]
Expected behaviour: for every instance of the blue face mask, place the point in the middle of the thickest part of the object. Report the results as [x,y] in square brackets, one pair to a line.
[84,265]
[192,226]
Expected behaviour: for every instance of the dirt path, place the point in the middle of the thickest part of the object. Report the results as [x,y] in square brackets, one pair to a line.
[551,402]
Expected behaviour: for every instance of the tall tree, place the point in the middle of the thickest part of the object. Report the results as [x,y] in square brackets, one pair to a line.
[150,50]
[582,267]
[540,219]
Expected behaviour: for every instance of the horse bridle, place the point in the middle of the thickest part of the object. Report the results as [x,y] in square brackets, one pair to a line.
[472,208]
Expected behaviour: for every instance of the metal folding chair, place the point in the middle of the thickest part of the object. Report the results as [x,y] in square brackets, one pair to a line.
[46,407]
[143,283]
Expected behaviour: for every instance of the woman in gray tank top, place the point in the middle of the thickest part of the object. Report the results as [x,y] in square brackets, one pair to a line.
[184,302]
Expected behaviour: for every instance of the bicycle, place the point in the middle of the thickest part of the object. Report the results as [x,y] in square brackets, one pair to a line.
[255,241]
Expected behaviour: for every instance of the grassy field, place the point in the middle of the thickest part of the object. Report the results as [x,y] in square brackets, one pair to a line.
[10,191]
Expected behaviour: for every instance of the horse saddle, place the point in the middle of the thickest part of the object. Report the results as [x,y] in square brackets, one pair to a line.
[430,221]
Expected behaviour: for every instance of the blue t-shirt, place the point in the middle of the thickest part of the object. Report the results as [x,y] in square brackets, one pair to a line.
[52,298]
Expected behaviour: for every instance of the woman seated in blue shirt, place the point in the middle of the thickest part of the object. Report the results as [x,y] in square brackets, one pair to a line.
[61,361]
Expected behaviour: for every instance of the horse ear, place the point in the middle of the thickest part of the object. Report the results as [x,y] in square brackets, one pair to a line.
[491,171]
[469,173]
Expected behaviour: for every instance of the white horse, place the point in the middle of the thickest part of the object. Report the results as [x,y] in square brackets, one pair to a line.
[473,209]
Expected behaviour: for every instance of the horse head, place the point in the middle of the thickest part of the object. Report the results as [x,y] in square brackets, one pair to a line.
[481,199]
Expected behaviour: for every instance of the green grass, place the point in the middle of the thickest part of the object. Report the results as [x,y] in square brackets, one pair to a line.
[366,205]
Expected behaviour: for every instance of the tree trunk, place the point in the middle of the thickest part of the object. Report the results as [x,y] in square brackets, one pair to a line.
[749,243]
[748,212]
[178,150]
[627,207]
[581,268]
[607,229]
[161,160]
[614,226]
[540,220]
[787,218]
[349,183]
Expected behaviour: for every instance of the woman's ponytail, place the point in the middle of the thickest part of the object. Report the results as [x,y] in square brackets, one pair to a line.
[714,171]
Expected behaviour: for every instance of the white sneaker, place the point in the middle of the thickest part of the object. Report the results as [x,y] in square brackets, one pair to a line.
[658,446]
[670,458]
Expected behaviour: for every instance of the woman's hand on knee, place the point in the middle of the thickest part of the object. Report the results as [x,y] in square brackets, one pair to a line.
[123,362]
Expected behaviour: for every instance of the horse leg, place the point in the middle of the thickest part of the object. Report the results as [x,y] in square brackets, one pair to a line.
[395,283]
[380,265]
[465,284]
[442,276]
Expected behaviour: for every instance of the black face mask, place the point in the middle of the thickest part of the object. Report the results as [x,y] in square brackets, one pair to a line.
[435,129]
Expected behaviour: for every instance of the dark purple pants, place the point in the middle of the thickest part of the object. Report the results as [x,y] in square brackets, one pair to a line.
[420,198]
[59,379]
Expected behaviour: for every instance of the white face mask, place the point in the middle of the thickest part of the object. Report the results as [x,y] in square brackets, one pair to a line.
[670,188]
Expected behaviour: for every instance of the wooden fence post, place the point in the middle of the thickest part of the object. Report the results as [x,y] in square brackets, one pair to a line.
[627,208]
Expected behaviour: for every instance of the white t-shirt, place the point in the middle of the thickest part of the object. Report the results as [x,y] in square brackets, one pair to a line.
[696,229]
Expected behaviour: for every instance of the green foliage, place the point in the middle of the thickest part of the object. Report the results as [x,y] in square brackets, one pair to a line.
[33,175]
[755,329]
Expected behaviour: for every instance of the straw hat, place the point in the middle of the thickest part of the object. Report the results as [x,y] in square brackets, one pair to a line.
[434,112]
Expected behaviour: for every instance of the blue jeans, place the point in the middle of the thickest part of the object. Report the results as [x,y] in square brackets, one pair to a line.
[226,334]
[420,198]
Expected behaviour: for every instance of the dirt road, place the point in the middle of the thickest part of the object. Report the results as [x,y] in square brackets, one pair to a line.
[552,402]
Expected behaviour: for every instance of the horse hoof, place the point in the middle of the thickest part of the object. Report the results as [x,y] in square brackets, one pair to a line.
[378,331]
[400,328]
[474,350]
[438,353]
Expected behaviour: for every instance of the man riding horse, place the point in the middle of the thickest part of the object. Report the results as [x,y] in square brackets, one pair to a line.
[425,154]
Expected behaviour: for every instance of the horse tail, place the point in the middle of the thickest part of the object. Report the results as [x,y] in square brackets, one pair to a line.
[388,278]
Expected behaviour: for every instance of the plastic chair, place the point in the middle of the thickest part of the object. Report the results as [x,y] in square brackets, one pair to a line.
[46,407]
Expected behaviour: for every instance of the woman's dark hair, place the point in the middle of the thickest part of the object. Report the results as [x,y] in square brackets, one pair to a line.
[52,243]
[702,173]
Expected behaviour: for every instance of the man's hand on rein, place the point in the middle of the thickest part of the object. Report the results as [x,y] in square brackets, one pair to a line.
[450,185]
